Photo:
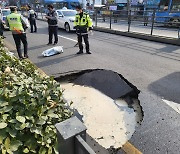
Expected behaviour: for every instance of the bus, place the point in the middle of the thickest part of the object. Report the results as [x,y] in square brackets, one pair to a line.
[168,12]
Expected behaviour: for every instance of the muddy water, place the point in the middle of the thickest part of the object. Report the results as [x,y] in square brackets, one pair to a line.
[110,122]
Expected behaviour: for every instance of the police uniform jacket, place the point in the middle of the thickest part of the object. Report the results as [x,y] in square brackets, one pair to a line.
[82,23]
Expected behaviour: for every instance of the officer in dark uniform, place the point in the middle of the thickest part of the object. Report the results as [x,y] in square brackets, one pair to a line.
[52,25]
[32,19]
[82,24]
[1,29]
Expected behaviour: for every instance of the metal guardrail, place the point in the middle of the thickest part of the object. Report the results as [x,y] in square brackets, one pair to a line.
[72,137]
[131,18]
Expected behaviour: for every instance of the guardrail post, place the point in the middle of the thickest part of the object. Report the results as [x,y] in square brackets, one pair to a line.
[66,132]
[96,18]
[153,19]
[110,26]
[129,20]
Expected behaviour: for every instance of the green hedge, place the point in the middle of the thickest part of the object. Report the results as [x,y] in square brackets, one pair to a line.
[30,106]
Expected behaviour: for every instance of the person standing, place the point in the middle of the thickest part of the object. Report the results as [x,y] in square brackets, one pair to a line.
[1,29]
[82,24]
[17,25]
[52,25]
[32,19]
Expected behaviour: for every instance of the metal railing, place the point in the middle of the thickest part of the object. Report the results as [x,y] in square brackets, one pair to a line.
[145,22]
[148,22]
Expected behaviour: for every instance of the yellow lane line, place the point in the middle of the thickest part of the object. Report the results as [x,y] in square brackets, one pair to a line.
[128,148]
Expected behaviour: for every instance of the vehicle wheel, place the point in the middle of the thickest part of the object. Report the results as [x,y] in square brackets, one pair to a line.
[67,27]
[175,22]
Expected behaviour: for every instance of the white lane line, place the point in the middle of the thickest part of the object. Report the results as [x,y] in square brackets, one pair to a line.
[67,38]
[173,105]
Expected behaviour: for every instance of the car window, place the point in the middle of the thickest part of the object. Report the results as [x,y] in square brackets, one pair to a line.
[6,12]
[59,13]
[69,13]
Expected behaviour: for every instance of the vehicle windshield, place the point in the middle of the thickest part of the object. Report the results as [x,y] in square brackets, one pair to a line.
[164,5]
[6,12]
[175,5]
[69,13]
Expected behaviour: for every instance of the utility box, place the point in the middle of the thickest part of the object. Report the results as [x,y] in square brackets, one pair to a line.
[66,132]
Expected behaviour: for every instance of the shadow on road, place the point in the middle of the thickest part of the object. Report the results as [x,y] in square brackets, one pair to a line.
[167,87]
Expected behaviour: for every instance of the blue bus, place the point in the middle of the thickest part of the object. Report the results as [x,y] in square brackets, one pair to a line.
[59,4]
[167,11]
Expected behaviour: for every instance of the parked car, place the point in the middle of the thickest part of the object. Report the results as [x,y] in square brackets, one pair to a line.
[4,14]
[66,18]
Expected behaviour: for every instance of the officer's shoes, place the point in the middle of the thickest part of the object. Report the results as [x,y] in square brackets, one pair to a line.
[80,52]
[21,58]
[49,44]
[88,52]
[26,56]
[54,43]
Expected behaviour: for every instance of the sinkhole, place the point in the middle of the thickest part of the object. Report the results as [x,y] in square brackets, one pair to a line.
[106,103]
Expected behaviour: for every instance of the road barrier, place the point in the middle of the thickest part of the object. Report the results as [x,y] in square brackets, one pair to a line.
[72,137]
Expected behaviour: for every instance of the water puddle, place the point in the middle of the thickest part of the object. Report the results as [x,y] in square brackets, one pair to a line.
[110,122]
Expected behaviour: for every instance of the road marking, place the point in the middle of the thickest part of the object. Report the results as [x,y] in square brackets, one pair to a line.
[173,105]
[67,38]
[128,148]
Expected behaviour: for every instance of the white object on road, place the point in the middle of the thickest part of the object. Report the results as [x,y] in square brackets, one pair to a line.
[53,51]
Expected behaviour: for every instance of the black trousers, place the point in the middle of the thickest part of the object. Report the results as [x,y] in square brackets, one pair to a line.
[1,32]
[18,38]
[86,41]
[33,25]
[53,30]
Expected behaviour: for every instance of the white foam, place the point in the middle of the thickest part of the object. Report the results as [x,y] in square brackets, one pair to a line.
[109,122]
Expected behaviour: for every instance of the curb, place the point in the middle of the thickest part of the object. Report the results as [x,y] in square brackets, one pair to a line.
[10,47]
[154,38]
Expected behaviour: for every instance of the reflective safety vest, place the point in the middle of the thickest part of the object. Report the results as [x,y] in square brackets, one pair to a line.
[85,21]
[14,21]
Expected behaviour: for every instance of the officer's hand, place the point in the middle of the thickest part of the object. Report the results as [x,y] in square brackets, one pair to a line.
[90,32]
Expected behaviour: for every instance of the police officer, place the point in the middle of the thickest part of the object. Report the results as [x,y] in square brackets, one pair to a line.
[52,25]
[17,25]
[32,19]
[1,29]
[82,23]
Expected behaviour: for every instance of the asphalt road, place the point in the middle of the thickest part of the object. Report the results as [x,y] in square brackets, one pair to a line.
[153,67]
